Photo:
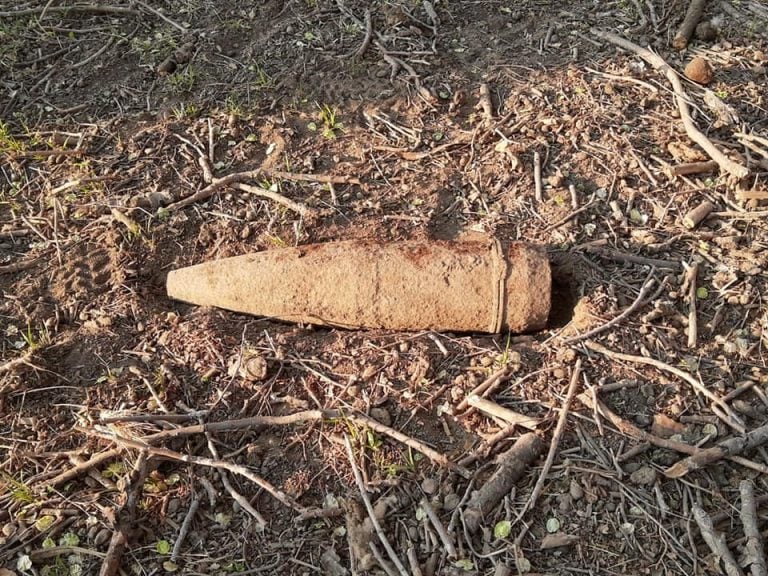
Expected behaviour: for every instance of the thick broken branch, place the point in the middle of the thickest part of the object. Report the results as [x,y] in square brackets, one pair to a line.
[511,465]
[724,449]
[692,17]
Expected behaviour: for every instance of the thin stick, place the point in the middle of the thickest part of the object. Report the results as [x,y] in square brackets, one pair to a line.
[478,390]
[725,163]
[691,168]
[239,498]
[441,532]
[639,301]
[693,324]
[80,8]
[185,526]
[274,196]
[308,416]
[83,467]
[619,256]
[201,461]
[556,436]
[369,508]
[211,144]
[732,420]
[160,15]
[380,559]
[368,36]
[716,542]
[505,414]
[754,546]
[730,447]
[486,105]
[698,214]
[127,518]
[537,193]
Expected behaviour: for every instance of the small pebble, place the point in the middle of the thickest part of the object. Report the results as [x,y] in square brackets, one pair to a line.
[429,485]
[451,501]
[576,491]
[558,373]
[381,415]
[644,475]
[173,505]
[102,537]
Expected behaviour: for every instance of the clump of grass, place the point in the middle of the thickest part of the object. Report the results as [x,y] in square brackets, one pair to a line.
[330,126]
[9,144]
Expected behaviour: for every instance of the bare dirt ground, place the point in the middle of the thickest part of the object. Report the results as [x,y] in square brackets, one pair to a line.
[387,120]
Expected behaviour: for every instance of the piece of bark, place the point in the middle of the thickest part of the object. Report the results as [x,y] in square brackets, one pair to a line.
[716,542]
[126,518]
[755,550]
[698,214]
[558,541]
[511,465]
[724,449]
[691,168]
[692,17]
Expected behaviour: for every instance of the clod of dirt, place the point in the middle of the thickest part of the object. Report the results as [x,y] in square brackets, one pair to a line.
[180,57]
[166,67]
[699,70]
[643,476]
[706,31]
[251,367]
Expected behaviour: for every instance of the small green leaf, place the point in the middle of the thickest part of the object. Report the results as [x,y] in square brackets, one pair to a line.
[553,525]
[502,529]
[69,539]
[702,293]
[48,543]
[170,566]
[312,126]
[163,547]
[44,522]
[223,519]
[465,564]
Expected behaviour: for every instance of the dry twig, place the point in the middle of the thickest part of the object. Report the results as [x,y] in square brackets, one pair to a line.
[716,542]
[691,274]
[553,445]
[724,449]
[639,301]
[127,518]
[511,465]
[755,550]
[201,461]
[369,508]
[185,526]
[729,416]
[725,163]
